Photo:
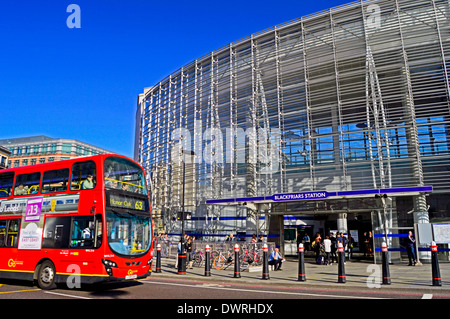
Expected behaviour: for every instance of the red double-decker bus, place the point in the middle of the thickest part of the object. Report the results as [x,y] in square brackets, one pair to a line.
[83,220]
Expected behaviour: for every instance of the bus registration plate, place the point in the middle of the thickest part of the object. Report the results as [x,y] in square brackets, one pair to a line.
[131,275]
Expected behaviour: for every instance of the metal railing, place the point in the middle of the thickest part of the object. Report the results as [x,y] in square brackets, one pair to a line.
[169,249]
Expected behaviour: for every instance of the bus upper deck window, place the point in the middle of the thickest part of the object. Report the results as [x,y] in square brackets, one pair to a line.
[123,174]
[55,181]
[6,183]
[27,184]
[83,176]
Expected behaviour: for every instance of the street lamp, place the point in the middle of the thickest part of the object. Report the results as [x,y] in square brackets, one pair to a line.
[383,198]
[182,256]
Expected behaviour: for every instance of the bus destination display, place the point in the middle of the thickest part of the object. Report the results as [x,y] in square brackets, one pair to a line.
[126,202]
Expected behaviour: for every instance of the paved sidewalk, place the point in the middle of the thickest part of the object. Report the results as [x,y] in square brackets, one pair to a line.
[359,274]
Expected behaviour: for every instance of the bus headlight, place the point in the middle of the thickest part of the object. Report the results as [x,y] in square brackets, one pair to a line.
[109,265]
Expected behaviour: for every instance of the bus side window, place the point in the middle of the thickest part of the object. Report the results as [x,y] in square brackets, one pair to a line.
[6,183]
[55,181]
[83,176]
[56,232]
[86,232]
[27,184]
[13,233]
[3,232]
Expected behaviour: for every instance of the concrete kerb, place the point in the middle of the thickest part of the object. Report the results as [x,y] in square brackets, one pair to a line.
[359,275]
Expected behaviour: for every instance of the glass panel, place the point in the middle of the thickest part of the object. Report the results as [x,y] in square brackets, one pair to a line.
[6,182]
[2,232]
[83,176]
[13,233]
[123,174]
[55,181]
[128,235]
[27,184]
[86,232]
[56,232]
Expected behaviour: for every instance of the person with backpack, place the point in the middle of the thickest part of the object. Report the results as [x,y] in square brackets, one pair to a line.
[316,246]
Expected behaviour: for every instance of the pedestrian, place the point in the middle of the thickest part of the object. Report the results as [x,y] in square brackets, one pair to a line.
[327,249]
[188,248]
[275,259]
[178,253]
[299,238]
[350,244]
[230,237]
[164,245]
[306,241]
[410,242]
[333,248]
[316,246]
[156,240]
[343,241]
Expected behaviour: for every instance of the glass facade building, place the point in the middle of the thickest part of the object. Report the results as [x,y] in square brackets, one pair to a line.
[352,98]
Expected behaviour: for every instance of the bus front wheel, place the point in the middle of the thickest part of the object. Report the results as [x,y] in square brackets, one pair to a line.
[46,275]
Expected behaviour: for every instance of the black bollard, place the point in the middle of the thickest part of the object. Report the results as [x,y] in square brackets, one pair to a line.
[158,258]
[265,271]
[301,263]
[207,261]
[182,258]
[341,268]
[436,273]
[385,263]
[237,266]
[182,264]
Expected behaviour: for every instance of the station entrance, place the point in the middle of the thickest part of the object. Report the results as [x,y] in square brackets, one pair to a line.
[357,227]
[302,222]
[369,217]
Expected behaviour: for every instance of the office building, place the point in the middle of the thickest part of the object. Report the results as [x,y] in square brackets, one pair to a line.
[42,149]
[4,157]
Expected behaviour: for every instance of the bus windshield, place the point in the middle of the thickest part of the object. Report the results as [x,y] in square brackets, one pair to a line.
[123,174]
[128,213]
[128,235]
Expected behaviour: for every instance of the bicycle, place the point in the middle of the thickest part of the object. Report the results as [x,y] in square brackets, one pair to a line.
[223,260]
[199,258]
[251,257]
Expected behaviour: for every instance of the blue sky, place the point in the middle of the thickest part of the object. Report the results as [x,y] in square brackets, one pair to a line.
[83,83]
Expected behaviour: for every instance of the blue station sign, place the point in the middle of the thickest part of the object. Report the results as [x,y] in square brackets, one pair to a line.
[300,196]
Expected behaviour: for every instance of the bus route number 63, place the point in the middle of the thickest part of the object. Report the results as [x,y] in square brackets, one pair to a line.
[138,205]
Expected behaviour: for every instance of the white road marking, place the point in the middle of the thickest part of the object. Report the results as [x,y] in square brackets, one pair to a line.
[65,295]
[213,286]
[427,296]
[262,291]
